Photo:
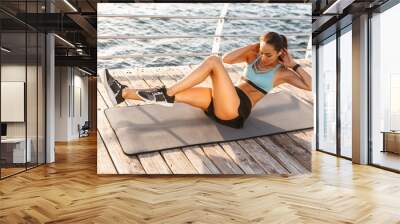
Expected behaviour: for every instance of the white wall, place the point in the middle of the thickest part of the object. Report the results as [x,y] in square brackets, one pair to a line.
[67,117]
[14,72]
[80,84]
[61,103]
[34,124]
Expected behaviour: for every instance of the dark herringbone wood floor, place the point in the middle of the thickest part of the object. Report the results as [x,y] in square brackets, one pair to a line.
[70,191]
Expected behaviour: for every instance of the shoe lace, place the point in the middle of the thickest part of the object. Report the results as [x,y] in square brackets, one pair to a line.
[159,96]
[115,82]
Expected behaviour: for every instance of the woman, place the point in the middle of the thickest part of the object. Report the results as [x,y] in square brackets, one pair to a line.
[268,64]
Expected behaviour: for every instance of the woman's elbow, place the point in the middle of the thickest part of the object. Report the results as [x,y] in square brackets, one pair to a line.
[226,59]
[309,87]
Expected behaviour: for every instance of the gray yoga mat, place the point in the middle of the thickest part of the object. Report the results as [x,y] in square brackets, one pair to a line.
[149,128]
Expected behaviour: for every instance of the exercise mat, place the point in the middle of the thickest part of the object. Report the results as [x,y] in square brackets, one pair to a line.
[151,127]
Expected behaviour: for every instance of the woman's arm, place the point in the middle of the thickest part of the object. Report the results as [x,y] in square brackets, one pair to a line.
[241,54]
[299,78]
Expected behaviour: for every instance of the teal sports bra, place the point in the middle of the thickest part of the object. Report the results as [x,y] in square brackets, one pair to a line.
[262,81]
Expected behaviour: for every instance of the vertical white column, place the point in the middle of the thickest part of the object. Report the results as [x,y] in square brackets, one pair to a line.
[50,93]
[314,91]
[360,90]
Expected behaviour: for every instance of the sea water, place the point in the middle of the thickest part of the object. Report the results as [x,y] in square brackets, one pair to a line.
[145,26]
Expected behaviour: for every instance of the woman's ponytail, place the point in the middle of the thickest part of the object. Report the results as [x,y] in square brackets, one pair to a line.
[278,41]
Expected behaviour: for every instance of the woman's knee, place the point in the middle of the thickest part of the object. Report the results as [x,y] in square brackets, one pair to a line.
[227,115]
[226,112]
[214,59]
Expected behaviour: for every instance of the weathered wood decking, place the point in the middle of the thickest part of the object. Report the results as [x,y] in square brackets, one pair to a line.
[278,154]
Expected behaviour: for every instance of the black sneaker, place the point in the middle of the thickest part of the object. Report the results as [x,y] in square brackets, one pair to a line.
[156,95]
[113,87]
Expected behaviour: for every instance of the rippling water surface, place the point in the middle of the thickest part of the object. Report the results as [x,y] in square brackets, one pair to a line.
[144,26]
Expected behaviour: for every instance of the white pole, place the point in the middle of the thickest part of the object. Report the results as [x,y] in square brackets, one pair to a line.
[50,92]
[219,29]
[309,48]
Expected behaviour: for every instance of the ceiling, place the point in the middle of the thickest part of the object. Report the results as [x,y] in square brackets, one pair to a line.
[331,15]
[74,22]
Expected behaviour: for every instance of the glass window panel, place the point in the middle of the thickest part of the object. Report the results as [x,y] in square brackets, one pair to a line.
[41,98]
[327,97]
[13,77]
[346,94]
[385,86]
[31,97]
[22,71]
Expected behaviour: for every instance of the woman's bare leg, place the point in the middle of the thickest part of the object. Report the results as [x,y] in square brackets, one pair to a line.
[226,101]
[199,97]
[195,77]
[198,75]
[130,94]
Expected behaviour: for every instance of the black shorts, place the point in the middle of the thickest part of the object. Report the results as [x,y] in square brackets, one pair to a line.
[243,110]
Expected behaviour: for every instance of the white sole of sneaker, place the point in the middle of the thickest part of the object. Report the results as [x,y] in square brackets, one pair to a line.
[108,89]
[166,104]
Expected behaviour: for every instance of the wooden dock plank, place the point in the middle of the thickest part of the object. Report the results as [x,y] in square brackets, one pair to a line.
[104,162]
[184,70]
[123,163]
[148,75]
[153,163]
[177,162]
[200,161]
[300,154]
[302,138]
[174,74]
[221,160]
[177,73]
[263,158]
[167,79]
[135,79]
[242,158]
[103,93]
[180,71]
[281,155]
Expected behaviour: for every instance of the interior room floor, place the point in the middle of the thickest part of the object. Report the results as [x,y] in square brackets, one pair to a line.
[387,159]
[70,191]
